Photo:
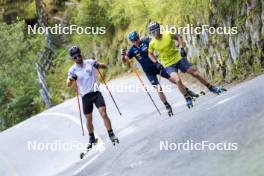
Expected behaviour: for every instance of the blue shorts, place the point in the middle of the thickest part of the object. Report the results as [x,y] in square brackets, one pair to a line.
[183,65]
[152,75]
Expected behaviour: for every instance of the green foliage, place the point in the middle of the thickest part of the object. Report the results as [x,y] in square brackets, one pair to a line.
[18,78]
[19,96]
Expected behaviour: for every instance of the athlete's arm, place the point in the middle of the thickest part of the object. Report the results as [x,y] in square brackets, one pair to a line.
[178,38]
[71,77]
[69,82]
[124,55]
[152,57]
[100,65]
[181,44]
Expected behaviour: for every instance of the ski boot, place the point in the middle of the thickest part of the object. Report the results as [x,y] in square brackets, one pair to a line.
[114,139]
[92,142]
[217,89]
[189,102]
[169,109]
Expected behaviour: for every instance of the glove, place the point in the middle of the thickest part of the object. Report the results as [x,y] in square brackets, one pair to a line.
[74,77]
[96,65]
[123,52]
[159,66]
[183,52]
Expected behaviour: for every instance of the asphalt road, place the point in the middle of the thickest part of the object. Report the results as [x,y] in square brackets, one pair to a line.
[235,118]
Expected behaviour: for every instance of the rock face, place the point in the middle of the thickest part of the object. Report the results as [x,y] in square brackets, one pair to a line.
[230,56]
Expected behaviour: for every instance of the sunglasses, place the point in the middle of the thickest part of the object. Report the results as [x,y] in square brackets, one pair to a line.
[77,56]
[135,39]
[155,32]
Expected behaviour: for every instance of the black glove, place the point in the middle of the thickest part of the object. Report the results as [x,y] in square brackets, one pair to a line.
[74,77]
[183,52]
[123,52]
[159,66]
[96,65]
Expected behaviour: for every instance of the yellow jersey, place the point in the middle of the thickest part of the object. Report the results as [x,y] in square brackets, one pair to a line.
[168,53]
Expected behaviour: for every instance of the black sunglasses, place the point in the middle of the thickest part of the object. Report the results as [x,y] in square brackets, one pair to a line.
[77,56]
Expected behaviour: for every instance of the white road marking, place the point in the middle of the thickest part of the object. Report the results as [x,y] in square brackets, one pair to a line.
[223,101]
[87,163]
[68,116]
[100,145]
[9,165]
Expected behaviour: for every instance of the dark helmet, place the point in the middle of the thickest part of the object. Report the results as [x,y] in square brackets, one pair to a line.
[74,50]
[153,27]
[133,36]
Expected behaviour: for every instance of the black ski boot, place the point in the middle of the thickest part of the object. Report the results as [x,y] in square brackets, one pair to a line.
[169,110]
[92,142]
[113,138]
[217,89]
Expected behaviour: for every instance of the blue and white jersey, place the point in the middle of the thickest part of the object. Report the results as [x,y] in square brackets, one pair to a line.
[141,54]
[86,76]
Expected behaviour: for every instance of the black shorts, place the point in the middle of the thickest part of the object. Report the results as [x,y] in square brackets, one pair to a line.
[92,98]
[152,75]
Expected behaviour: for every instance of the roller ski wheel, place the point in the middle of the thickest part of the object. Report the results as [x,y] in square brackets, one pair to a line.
[189,102]
[89,147]
[169,110]
[202,93]
[114,140]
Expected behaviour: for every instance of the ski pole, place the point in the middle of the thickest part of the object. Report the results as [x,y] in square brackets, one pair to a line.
[109,92]
[78,102]
[136,72]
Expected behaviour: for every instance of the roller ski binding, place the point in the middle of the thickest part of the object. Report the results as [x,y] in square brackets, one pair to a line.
[114,139]
[189,102]
[192,94]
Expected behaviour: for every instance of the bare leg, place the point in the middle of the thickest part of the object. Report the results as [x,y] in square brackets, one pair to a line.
[160,93]
[175,78]
[196,74]
[171,80]
[89,122]
[107,122]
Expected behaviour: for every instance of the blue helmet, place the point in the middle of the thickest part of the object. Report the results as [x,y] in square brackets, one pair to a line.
[133,36]
[153,27]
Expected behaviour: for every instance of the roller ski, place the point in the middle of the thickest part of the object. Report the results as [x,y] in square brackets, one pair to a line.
[169,110]
[189,102]
[194,95]
[89,147]
[217,89]
[114,139]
